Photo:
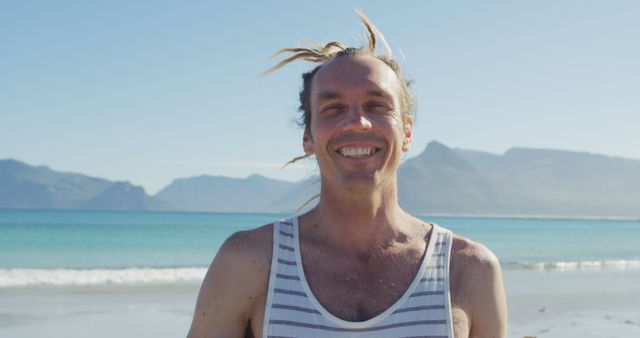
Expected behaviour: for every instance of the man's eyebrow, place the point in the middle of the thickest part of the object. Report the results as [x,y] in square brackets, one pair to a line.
[379,93]
[328,96]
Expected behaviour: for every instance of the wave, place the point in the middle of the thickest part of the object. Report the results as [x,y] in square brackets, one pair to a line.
[19,277]
[574,265]
[83,277]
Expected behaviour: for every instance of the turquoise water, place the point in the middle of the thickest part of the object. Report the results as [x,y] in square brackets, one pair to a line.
[78,239]
[81,240]
[551,240]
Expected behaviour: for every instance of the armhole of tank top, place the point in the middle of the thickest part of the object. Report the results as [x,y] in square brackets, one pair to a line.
[272,274]
[447,266]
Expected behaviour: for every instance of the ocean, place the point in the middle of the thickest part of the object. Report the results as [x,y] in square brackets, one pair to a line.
[66,248]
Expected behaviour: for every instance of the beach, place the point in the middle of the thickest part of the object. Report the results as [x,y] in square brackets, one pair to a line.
[97,311]
[599,303]
[137,274]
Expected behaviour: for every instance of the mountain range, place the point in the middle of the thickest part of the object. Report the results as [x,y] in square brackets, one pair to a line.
[441,180]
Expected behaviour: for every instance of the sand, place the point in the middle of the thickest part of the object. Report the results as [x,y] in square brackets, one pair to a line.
[542,304]
[584,303]
[158,311]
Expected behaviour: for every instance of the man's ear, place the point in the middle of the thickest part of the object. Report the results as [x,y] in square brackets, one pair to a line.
[408,129]
[307,143]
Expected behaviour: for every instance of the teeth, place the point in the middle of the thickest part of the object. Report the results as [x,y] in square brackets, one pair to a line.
[357,151]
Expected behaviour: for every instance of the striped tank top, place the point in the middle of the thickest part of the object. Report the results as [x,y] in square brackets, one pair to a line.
[423,311]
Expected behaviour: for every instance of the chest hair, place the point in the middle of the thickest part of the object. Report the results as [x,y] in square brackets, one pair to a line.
[359,288]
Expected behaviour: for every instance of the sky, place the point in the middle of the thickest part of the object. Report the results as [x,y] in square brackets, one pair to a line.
[150,91]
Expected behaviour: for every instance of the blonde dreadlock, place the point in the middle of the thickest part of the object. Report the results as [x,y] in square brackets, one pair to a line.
[317,53]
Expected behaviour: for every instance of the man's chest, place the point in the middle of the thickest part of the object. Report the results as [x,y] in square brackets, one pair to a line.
[460,319]
[358,291]
[356,299]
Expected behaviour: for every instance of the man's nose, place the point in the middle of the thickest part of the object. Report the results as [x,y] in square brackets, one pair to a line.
[357,119]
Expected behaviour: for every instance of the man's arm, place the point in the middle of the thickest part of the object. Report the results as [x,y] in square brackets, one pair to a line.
[489,309]
[234,286]
[478,289]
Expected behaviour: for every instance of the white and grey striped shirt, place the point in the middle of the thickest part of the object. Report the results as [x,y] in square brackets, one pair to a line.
[423,311]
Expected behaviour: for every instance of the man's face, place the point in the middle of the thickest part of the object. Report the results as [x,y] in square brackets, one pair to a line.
[357,131]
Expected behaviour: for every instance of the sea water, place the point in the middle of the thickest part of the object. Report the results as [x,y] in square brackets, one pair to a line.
[102,247]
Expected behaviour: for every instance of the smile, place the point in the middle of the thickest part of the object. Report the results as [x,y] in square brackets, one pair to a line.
[357,152]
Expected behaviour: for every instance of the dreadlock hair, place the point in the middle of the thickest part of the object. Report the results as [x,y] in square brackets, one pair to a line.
[318,53]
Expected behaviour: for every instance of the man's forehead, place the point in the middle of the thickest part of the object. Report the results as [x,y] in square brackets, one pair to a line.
[365,74]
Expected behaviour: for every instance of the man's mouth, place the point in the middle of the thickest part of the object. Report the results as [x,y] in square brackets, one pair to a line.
[357,152]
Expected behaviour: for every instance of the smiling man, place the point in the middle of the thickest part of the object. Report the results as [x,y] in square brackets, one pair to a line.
[356,265]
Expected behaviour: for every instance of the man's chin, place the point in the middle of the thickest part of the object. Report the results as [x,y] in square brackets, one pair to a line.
[360,181]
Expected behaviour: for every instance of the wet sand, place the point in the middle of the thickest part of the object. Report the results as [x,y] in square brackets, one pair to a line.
[576,303]
[542,304]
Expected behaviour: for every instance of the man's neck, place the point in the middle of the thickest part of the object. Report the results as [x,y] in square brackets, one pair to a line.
[360,221]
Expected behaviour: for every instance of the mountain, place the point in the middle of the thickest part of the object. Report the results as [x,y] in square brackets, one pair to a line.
[452,181]
[24,186]
[123,196]
[27,187]
[441,180]
[224,194]
[521,181]
[301,197]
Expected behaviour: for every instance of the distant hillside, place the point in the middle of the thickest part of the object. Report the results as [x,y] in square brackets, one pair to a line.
[123,196]
[522,181]
[294,199]
[224,194]
[452,181]
[27,187]
[441,180]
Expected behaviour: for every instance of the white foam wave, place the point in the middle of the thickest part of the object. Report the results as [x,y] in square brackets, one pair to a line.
[79,277]
[138,276]
[574,265]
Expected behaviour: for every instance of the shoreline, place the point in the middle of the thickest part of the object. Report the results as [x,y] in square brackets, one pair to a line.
[417,214]
[535,217]
[542,304]
[159,277]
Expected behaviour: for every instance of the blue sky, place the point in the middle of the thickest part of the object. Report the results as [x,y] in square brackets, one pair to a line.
[149,91]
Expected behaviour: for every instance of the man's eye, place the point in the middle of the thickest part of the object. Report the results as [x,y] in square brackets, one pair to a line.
[335,109]
[378,108]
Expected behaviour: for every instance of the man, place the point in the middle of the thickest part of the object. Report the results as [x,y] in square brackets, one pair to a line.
[356,265]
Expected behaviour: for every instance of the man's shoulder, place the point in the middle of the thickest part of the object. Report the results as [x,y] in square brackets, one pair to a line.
[252,238]
[253,246]
[473,265]
[234,289]
[472,254]
[244,260]
[474,268]
[477,288]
